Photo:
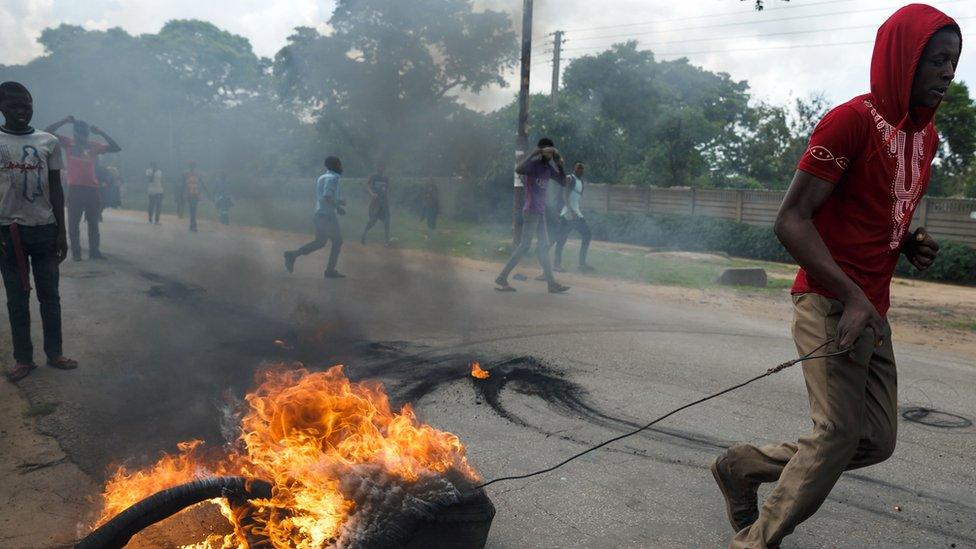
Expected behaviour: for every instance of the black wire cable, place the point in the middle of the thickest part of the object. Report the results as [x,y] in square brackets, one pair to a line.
[769,372]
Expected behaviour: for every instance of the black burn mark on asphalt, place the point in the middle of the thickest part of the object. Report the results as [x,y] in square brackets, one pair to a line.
[935,418]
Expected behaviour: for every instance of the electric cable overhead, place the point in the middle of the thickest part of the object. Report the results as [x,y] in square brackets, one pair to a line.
[738,23]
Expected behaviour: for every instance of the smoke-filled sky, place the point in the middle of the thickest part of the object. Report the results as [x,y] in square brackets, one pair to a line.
[790,49]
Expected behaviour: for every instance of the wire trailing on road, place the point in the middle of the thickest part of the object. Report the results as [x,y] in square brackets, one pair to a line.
[769,372]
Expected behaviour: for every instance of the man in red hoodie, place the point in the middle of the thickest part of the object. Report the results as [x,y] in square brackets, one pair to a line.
[845,220]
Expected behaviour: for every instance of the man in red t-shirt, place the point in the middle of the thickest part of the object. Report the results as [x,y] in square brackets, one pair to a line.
[845,220]
[83,187]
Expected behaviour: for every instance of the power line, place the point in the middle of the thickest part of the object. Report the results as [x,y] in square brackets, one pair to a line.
[740,37]
[740,23]
[707,16]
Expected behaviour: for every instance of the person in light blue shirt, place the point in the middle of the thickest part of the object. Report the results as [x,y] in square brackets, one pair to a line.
[329,204]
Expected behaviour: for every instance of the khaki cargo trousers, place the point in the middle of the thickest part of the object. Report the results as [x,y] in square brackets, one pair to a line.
[853,408]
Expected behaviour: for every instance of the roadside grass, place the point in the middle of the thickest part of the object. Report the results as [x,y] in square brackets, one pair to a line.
[963,325]
[492,243]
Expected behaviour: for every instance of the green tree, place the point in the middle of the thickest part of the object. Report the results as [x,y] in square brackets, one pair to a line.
[390,69]
[955,173]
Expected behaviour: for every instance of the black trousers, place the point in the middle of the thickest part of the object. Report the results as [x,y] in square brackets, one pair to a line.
[326,229]
[40,246]
[378,211]
[83,200]
[155,206]
[567,226]
[192,202]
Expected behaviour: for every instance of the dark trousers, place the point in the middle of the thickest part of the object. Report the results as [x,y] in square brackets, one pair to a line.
[378,211]
[326,229]
[40,246]
[430,214]
[535,223]
[180,202]
[192,202]
[225,217]
[83,200]
[155,207]
[567,226]
[518,201]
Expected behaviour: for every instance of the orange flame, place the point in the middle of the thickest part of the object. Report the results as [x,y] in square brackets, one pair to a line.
[303,432]
[477,372]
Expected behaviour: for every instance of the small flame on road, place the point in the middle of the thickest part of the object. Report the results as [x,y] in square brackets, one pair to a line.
[282,344]
[477,372]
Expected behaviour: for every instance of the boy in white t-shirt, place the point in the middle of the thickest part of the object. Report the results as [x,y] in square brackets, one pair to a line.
[32,229]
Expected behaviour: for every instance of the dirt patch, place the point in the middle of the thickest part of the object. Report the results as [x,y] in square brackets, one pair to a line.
[44,495]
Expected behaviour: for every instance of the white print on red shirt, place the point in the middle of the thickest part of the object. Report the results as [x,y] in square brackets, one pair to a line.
[823,153]
[906,193]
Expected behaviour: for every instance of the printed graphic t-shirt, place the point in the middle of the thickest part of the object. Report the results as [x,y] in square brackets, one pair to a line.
[880,177]
[81,167]
[25,194]
[536,180]
[191,188]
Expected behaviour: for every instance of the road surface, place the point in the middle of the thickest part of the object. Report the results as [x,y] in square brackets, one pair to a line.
[173,320]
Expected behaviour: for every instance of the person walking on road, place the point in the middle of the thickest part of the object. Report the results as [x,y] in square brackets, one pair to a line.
[32,229]
[191,193]
[845,219]
[329,204]
[543,164]
[379,202]
[83,186]
[155,189]
[571,219]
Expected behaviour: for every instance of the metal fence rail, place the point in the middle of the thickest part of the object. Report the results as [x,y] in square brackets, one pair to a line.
[946,218]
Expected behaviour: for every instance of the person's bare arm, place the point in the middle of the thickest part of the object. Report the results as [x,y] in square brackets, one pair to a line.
[54,127]
[523,167]
[794,228]
[57,203]
[113,147]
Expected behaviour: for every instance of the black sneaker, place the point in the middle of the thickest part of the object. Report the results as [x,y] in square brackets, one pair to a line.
[290,261]
[332,273]
[541,278]
[75,256]
[557,288]
[741,498]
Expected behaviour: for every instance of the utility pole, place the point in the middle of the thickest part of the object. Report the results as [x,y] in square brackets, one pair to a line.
[557,47]
[522,136]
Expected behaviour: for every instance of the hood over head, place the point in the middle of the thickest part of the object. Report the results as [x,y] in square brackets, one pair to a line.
[897,49]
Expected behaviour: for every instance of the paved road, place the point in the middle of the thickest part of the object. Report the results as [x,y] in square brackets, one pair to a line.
[173,320]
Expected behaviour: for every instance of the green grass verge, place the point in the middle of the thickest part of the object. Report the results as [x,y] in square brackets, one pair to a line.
[491,242]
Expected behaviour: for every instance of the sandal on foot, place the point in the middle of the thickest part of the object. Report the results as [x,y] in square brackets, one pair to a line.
[20,371]
[62,363]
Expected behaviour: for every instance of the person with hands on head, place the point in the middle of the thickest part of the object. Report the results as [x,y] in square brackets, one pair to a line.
[83,185]
[32,229]
[845,220]
[328,205]
[543,164]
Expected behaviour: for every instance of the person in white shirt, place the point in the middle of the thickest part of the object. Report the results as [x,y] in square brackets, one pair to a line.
[571,219]
[154,180]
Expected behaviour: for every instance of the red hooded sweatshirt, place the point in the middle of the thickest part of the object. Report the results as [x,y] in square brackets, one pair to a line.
[878,158]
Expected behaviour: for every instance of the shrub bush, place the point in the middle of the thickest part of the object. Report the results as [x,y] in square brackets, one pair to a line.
[956,262]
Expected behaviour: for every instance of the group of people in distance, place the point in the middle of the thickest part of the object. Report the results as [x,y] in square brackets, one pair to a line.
[187,194]
[536,170]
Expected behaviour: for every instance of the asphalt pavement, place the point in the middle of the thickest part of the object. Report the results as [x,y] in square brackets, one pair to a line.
[174,322]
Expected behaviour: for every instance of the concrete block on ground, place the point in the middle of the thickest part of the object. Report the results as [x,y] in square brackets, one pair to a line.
[743,277]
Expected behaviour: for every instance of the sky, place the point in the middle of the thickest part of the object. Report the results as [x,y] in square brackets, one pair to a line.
[791,49]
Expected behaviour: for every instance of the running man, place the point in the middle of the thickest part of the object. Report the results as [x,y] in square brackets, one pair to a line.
[543,164]
[845,220]
[379,202]
[571,219]
[328,206]
[32,229]
[83,186]
[155,189]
